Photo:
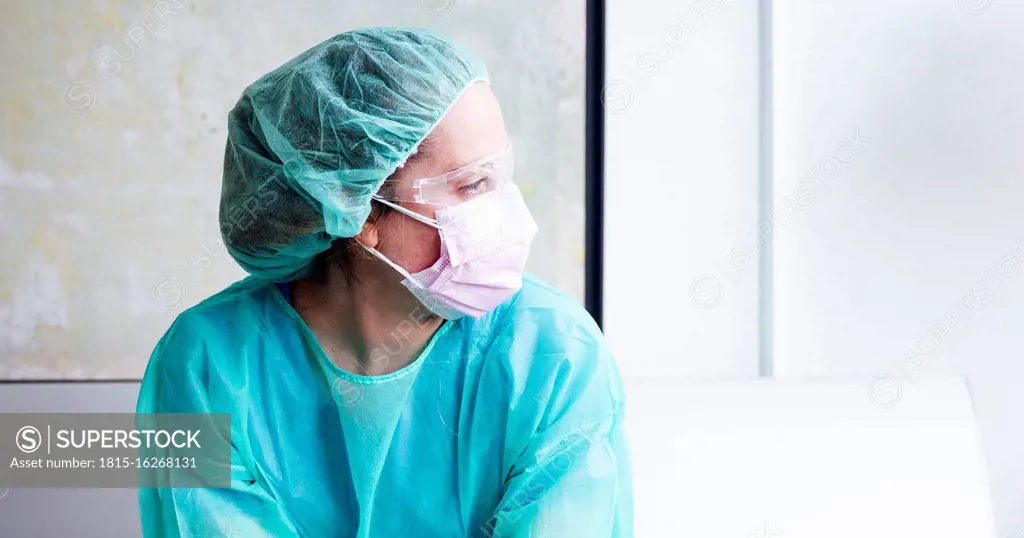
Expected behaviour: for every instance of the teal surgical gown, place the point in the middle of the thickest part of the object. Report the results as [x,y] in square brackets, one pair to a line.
[510,426]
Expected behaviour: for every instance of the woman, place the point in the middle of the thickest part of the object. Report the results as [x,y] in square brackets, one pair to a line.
[389,370]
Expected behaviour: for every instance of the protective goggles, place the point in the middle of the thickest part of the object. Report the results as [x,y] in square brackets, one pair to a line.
[482,176]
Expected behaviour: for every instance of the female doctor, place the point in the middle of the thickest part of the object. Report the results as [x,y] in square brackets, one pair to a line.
[389,369]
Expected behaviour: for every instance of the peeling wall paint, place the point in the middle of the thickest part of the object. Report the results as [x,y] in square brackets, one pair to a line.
[112,131]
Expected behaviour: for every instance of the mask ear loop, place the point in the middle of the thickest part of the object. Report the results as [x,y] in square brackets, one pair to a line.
[401,270]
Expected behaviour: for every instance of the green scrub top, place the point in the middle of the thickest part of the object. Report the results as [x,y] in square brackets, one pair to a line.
[508,426]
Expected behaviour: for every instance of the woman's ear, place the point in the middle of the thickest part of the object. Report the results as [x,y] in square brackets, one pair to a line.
[370,234]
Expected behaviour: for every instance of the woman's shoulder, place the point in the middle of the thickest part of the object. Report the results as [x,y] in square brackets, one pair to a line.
[543,332]
[205,332]
[554,360]
[229,311]
[541,306]
[198,355]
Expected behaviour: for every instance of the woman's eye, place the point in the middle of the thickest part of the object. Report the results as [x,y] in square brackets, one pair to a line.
[475,187]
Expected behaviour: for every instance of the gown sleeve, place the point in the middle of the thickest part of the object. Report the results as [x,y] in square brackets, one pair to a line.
[183,378]
[569,474]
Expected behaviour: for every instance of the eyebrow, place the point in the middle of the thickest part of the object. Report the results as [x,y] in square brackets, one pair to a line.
[464,164]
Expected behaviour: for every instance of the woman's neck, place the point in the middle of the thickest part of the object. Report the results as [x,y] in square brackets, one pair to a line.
[370,325]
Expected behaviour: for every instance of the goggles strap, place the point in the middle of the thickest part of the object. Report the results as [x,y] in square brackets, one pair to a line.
[412,214]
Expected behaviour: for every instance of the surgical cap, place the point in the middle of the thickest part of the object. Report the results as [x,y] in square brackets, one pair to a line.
[312,141]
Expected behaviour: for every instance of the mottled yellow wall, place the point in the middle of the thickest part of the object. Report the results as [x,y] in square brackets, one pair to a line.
[112,129]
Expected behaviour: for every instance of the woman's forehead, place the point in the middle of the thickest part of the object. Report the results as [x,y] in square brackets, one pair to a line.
[471,130]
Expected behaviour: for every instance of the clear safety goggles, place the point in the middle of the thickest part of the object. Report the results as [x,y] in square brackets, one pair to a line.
[479,177]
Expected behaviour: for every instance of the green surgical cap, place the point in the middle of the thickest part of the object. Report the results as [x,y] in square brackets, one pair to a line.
[312,141]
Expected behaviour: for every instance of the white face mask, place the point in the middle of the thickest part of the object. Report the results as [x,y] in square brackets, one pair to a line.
[485,243]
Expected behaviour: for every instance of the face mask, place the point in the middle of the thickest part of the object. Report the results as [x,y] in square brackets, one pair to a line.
[484,246]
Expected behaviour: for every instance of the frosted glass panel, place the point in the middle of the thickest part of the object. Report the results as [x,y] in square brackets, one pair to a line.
[112,130]
[681,187]
[898,135]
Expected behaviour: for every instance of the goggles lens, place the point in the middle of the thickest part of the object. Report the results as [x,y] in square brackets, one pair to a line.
[480,177]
